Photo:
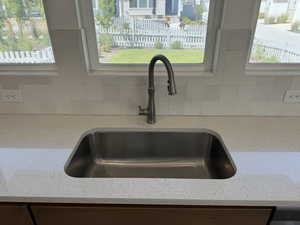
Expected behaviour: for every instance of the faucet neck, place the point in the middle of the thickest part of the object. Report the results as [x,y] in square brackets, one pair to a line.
[170,72]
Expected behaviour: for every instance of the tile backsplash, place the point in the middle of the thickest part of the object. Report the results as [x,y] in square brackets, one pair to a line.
[228,92]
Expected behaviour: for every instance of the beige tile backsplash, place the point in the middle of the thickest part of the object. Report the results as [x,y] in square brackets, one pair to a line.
[195,97]
[228,92]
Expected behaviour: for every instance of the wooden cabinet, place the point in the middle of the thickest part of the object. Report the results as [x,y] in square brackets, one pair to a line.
[14,214]
[148,215]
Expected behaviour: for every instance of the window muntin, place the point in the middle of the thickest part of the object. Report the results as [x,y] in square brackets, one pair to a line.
[277,34]
[178,30]
[24,37]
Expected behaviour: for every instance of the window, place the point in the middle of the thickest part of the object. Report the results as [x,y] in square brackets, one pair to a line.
[24,37]
[132,32]
[132,4]
[141,3]
[277,35]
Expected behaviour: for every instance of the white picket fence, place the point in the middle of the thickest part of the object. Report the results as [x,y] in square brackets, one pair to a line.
[27,57]
[281,55]
[142,33]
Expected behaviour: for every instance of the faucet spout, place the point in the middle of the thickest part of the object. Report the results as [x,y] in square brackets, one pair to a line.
[150,110]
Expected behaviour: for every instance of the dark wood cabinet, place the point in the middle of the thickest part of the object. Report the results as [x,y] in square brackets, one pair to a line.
[14,214]
[148,215]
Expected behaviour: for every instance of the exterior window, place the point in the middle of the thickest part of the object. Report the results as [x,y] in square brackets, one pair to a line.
[277,34]
[132,3]
[151,3]
[143,3]
[175,28]
[24,37]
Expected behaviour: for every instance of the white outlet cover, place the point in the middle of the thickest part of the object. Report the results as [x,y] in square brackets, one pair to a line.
[11,95]
[292,96]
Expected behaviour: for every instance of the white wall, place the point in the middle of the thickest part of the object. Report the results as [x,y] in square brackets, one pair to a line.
[229,92]
[161,7]
[297,13]
[276,9]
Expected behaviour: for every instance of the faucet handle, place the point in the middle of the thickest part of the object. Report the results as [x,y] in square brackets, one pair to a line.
[143,111]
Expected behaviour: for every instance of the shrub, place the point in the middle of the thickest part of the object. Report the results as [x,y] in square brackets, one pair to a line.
[283,18]
[126,26]
[260,56]
[158,45]
[272,59]
[187,20]
[270,20]
[105,42]
[176,45]
[261,15]
[296,26]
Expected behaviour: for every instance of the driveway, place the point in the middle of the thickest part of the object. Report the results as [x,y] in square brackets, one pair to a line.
[278,36]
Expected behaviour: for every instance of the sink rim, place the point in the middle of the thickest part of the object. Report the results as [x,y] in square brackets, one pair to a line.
[150,130]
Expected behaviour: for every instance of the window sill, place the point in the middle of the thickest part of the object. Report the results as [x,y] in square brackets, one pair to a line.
[29,70]
[28,73]
[141,74]
[184,69]
[272,69]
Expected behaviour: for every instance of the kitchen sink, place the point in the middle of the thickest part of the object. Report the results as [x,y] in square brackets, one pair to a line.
[189,154]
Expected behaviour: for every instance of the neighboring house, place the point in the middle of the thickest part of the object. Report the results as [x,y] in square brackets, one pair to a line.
[155,8]
[296,17]
[152,7]
[262,8]
[276,8]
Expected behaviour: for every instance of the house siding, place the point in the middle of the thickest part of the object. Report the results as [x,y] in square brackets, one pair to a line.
[297,13]
[276,9]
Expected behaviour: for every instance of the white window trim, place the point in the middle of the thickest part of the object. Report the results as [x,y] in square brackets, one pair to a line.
[27,69]
[185,69]
[267,69]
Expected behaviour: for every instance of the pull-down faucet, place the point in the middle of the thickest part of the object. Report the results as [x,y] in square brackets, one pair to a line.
[150,110]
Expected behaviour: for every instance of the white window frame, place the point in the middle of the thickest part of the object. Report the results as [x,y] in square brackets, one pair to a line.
[94,67]
[273,69]
[20,69]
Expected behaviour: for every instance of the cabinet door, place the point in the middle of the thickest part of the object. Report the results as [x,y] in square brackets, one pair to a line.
[148,215]
[13,214]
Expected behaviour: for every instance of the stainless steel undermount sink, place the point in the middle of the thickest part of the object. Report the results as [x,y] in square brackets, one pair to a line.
[189,154]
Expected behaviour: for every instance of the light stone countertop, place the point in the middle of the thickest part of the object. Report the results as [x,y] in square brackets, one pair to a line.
[266,152]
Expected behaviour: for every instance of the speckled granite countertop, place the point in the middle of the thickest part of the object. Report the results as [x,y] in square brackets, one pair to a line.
[266,151]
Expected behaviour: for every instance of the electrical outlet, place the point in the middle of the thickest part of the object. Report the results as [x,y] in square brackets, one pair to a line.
[292,96]
[11,95]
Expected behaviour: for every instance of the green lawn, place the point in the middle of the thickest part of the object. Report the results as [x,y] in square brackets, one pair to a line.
[145,55]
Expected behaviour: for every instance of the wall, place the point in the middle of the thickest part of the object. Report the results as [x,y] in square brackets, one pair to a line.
[276,9]
[297,13]
[228,92]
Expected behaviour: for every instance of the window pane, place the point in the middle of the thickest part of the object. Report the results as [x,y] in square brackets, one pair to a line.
[151,3]
[174,28]
[132,3]
[277,35]
[24,34]
[143,3]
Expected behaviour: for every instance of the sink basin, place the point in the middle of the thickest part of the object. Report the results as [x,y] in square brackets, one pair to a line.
[189,154]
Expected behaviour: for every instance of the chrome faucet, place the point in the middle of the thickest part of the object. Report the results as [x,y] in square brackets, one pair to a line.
[150,110]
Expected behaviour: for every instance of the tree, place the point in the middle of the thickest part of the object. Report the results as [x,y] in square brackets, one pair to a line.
[199,10]
[18,10]
[106,13]
[21,13]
